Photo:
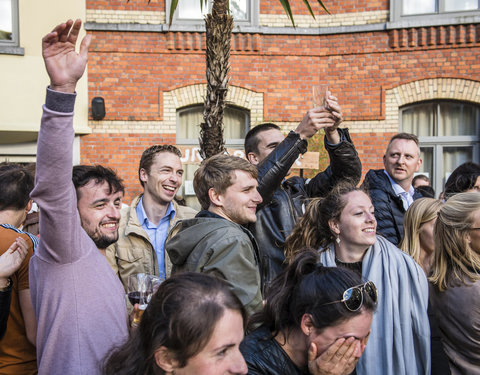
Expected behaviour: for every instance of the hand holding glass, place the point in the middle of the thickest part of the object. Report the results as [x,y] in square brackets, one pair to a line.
[141,287]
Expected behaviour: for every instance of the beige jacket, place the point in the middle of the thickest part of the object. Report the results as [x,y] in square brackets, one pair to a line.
[133,253]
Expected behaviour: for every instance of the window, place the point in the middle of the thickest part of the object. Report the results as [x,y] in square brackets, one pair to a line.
[449,134]
[454,10]
[8,23]
[236,122]
[189,12]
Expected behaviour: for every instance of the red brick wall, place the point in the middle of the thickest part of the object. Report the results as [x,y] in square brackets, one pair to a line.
[131,70]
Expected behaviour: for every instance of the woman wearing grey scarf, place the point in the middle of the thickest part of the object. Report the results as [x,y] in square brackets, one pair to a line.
[343,227]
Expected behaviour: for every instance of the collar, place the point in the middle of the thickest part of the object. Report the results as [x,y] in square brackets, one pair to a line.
[397,188]
[142,215]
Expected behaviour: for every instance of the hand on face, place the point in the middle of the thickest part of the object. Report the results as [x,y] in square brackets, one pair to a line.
[339,359]
[65,66]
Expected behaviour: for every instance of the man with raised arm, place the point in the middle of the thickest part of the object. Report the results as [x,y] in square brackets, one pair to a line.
[78,300]
[284,199]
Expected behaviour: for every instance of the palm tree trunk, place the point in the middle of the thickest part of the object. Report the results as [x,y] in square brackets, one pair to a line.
[219,26]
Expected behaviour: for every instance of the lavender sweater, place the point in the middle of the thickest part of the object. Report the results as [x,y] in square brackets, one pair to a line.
[78,300]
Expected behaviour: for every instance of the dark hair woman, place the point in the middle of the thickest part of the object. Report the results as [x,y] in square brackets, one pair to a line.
[316,320]
[192,326]
[342,227]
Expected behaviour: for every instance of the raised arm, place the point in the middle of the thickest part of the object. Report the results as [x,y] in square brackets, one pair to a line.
[54,191]
[275,167]
[64,65]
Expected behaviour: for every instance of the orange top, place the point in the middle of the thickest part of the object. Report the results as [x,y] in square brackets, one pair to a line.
[17,354]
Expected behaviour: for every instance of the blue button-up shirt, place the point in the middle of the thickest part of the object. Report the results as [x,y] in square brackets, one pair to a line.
[406,196]
[156,234]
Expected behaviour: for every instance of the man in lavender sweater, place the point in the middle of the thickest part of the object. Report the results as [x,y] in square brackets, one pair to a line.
[78,300]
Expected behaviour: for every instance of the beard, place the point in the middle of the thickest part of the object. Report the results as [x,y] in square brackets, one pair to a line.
[102,242]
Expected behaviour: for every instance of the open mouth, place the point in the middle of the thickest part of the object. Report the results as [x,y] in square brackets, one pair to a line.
[369,230]
[169,188]
[110,225]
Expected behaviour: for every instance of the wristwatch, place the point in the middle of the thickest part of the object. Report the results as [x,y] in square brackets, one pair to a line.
[8,286]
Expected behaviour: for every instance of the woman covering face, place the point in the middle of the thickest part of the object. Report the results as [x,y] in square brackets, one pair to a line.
[316,320]
[193,325]
[342,226]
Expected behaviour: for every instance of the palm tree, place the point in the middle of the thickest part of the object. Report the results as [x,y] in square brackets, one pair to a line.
[219,26]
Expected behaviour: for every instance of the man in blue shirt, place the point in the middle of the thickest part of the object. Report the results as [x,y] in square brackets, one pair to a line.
[144,225]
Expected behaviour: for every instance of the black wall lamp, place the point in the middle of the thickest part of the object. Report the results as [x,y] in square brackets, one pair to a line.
[98,108]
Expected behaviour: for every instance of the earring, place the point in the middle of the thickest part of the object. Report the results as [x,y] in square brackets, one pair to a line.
[337,240]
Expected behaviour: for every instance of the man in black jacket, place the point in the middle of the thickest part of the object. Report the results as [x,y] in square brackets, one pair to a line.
[284,200]
[391,188]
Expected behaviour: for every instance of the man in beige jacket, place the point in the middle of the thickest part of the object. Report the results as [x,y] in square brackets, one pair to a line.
[144,225]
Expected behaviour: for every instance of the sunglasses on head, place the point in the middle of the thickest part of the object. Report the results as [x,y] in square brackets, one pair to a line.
[353,297]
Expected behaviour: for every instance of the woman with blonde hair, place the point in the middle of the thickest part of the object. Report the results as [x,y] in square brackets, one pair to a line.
[342,226]
[418,224]
[455,296]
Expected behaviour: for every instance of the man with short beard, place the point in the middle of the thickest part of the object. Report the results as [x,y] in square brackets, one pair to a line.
[79,301]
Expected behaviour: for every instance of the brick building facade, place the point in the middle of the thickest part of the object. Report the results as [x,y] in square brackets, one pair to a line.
[377,60]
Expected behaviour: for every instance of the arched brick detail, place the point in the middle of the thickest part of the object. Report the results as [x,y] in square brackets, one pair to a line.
[194,94]
[427,89]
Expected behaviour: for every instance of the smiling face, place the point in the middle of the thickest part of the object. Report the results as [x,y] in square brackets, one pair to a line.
[357,225]
[239,201]
[357,327]
[268,140]
[164,178]
[401,161]
[99,212]
[221,355]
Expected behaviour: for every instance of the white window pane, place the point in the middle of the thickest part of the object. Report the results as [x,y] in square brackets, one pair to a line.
[418,7]
[426,154]
[238,9]
[5,19]
[457,119]
[458,5]
[189,120]
[419,120]
[453,157]
[190,9]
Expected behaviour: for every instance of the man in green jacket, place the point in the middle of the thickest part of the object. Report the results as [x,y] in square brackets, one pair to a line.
[215,241]
[144,225]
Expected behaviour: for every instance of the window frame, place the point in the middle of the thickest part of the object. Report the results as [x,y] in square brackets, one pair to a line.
[440,17]
[13,46]
[228,142]
[438,143]
[252,16]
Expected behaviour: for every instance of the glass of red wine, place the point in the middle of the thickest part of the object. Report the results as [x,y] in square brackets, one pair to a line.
[141,287]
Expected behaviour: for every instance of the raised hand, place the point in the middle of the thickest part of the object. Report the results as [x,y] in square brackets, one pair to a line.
[64,65]
[339,359]
[322,118]
[11,259]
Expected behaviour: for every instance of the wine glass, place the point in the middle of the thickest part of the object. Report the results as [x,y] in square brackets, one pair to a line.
[320,95]
[139,292]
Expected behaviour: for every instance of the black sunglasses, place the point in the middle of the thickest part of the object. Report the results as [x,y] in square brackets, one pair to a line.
[353,297]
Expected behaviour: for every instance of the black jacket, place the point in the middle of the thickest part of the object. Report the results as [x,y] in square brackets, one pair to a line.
[284,202]
[389,210]
[4,309]
[264,356]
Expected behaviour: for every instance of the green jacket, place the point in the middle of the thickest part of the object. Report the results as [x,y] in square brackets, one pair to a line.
[223,249]
[133,253]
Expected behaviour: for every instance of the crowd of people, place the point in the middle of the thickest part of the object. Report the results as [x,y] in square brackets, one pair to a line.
[276,275]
